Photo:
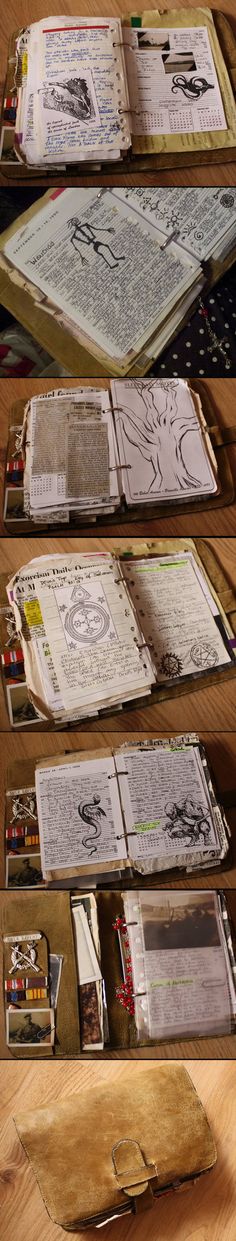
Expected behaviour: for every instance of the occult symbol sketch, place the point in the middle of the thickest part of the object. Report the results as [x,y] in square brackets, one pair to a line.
[187,819]
[87,235]
[72,97]
[85,621]
[194,89]
[158,432]
[170,665]
[91,813]
[21,960]
[227,200]
[23,808]
[203,655]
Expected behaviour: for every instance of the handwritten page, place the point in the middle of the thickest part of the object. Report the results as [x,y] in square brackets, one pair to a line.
[80,821]
[160,440]
[171,597]
[74,91]
[179,964]
[201,218]
[172,81]
[102,268]
[166,805]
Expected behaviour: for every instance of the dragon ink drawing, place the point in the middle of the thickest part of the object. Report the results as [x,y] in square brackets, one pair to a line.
[158,430]
[91,813]
[187,821]
[86,235]
[193,89]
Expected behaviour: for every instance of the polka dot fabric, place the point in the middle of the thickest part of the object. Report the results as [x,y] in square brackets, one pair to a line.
[195,352]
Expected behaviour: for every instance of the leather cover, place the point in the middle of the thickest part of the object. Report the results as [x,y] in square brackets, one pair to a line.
[105,1150]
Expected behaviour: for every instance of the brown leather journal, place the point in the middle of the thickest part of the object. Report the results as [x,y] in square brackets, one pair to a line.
[116,1148]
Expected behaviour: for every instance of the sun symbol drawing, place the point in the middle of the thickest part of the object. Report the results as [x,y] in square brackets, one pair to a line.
[171,665]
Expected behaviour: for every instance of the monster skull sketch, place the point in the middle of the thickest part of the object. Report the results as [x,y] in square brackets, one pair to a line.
[158,432]
[91,813]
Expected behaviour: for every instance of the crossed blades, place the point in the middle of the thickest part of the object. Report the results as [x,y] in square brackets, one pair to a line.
[24,959]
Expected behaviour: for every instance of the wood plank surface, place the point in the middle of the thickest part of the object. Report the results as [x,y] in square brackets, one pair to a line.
[213,707]
[19,13]
[206,1213]
[222,521]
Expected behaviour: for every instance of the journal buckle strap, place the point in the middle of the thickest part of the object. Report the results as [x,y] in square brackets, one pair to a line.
[133,1174]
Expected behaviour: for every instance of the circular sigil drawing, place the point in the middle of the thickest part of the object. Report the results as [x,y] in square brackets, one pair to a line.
[204,655]
[84,620]
[171,665]
[87,622]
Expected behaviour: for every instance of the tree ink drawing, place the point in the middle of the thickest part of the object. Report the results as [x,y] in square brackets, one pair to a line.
[159,433]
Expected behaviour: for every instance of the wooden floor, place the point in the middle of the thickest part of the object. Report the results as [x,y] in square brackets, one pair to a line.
[221,752]
[206,1213]
[212,521]
[210,708]
[18,13]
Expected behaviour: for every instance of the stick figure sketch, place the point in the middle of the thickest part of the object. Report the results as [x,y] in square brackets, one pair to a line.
[158,429]
[86,235]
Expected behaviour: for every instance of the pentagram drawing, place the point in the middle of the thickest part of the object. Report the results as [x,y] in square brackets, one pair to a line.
[85,616]
[171,665]
[188,821]
[203,655]
[92,814]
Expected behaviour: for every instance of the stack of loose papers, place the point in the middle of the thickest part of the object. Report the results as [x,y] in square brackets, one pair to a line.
[73,101]
[83,647]
[71,456]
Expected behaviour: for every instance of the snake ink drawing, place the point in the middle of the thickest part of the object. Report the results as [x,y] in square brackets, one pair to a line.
[91,813]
